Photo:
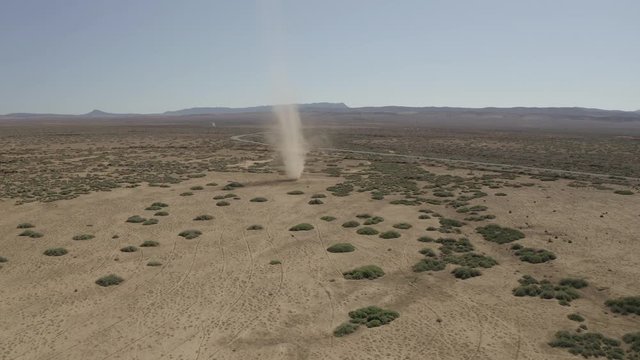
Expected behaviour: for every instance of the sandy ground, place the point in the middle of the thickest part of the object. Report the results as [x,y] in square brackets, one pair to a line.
[217,296]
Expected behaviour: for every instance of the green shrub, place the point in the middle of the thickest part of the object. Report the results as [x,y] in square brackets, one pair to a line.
[498,234]
[255,227]
[136,219]
[159,204]
[535,256]
[575,317]
[623,192]
[425,239]
[301,227]
[154,208]
[318,196]
[367,231]
[203,218]
[109,280]
[31,234]
[574,283]
[129,248]
[83,237]
[26,226]
[150,243]
[345,329]
[154,263]
[351,224]
[390,234]
[633,339]
[544,289]
[211,184]
[452,245]
[315,202]
[374,220]
[448,223]
[429,265]
[150,222]
[471,260]
[427,252]
[56,251]
[364,272]
[424,217]
[373,316]
[259,199]
[223,203]
[588,345]
[190,234]
[187,193]
[161,213]
[275,262]
[625,305]
[295,192]
[363,216]
[327,218]
[341,248]
[465,272]
[402,226]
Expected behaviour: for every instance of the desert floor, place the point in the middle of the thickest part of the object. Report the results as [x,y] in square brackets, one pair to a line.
[218,297]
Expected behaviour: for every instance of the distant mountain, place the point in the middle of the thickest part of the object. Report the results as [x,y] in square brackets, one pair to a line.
[322,106]
[98,113]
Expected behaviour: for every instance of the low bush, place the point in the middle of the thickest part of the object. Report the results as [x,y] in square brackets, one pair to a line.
[83,237]
[624,192]
[345,329]
[499,234]
[255,227]
[150,243]
[136,219]
[223,203]
[574,283]
[159,204]
[633,339]
[465,272]
[275,262]
[187,193]
[369,272]
[575,317]
[150,222]
[295,192]
[129,249]
[318,196]
[154,263]
[341,248]
[429,265]
[448,223]
[3,259]
[544,289]
[625,305]
[203,218]
[109,280]
[259,199]
[190,234]
[374,220]
[588,345]
[56,251]
[363,216]
[327,218]
[402,226]
[471,260]
[424,217]
[196,188]
[390,234]
[427,252]
[367,231]
[26,226]
[426,239]
[301,227]
[31,234]
[211,184]
[452,245]
[373,316]
[351,224]
[535,256]
[315,202]
[161,213]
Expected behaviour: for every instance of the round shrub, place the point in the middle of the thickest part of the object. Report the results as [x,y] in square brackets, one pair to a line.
[351,224]
[83,237]
[535,256]
[136,219]
[373,316]
[259,199]
[390,234]
[109,280]
[31,234]
[341,248]
[402,226]
[575,317]
[195,188]
[129,249]
[188,193]
[159,204]
[190,234]
[429,265]
[427,252]
[295,192]
[465,272]
[318,196]
[315,202]
[369,272]
[222,203]
[499,234]
[161,213]
[203,217]
[150,222]
[367,231]
[625,305]
[363,216]
[374,220]
[426,239]
[150,243]
[327,218]
[56,251]
[301,227]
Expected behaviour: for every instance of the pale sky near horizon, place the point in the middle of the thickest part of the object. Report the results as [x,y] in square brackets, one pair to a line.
[146,56]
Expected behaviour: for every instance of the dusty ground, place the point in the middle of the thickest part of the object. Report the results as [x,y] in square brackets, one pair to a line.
[217,296]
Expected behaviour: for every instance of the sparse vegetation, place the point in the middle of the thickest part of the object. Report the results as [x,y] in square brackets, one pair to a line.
[499,234]
[203,217]
[471,260]
[109,280]
[588,345]
[341,248]
[31,234]
[544,289]
[452,245]
[429,264]
[369,272]
[190,234]
[26,226]
[465,272]
[150,222]
[59,251]
[301,227]
[625,305]
[535,256]
[575,317]
[345,329]
[327,218]
[426,239]
[373,316]
[83,237]
[449,223]
[624,192]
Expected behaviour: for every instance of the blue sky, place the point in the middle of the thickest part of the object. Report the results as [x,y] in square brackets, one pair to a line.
[72,56]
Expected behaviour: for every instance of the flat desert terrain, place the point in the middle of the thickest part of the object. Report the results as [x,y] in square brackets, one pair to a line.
[453,244]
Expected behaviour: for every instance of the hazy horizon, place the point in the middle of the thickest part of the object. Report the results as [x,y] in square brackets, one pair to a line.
[153,56]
